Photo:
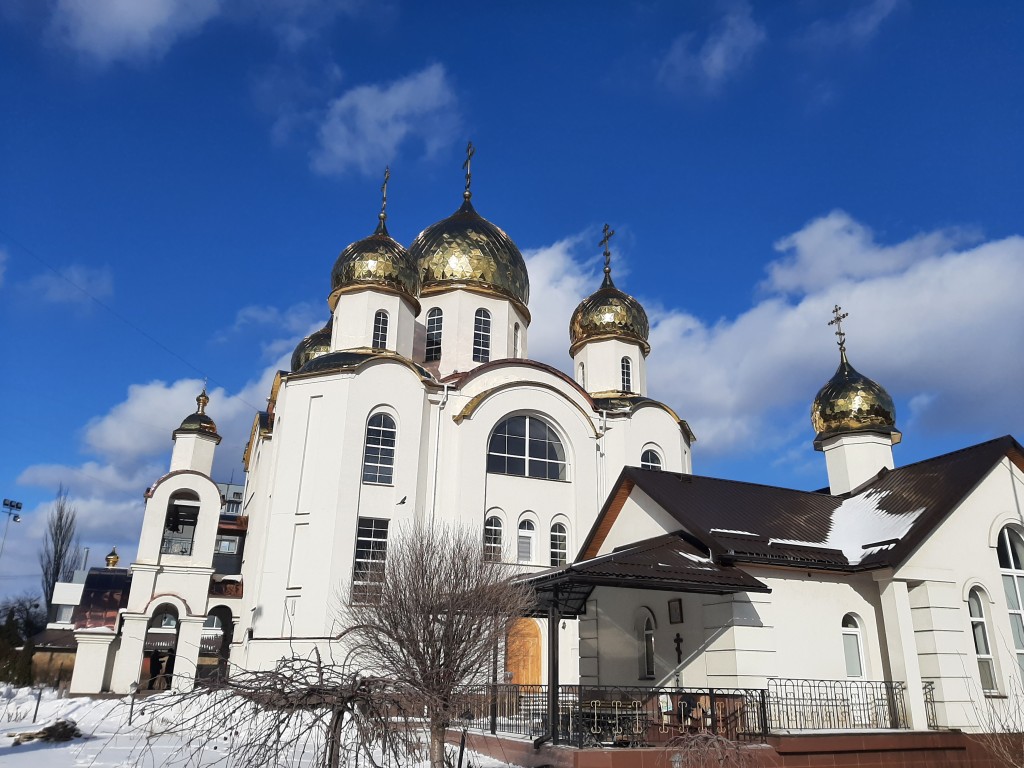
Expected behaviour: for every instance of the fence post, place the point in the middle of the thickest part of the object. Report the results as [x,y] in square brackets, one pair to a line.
[714,711]
[763,695]
[494,690]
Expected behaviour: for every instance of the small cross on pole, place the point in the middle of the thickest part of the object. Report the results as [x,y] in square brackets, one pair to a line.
[384,193]
[679,648]
[470,151]
[837,321]
[608,232]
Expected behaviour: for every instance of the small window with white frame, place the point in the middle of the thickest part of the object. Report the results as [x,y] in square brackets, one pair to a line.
[627,375]
[1011,566]
[493,544]
[559,544]
[853,651]
[482,336]
[982,649]
[525,542]
[650,459]
[435,326]
[380,330]
[379,450]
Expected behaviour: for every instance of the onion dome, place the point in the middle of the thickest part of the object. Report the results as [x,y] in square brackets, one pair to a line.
[467,251]
[316,344]
[113,558]
[376,261]
[608,313]
[851,402]
[199,422]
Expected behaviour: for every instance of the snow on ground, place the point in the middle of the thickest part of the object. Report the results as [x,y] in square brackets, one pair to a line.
[108,740]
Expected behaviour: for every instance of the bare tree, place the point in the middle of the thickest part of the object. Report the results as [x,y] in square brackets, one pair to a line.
[61,551]
[708,750]
[430,620]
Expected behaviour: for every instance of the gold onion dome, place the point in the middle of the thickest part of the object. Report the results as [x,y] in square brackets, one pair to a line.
[609,313]
[851,402]
[316,344]
[377,260]
[199,421]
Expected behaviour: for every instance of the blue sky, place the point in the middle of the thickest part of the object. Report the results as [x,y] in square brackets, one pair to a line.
[196,166]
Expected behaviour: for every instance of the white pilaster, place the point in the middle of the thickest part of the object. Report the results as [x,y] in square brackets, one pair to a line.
[898,626]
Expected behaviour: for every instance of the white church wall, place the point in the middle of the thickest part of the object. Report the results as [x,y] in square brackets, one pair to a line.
[459,309]
[153,523]
[602,362]
[640,518]
[192,451]
[354,321]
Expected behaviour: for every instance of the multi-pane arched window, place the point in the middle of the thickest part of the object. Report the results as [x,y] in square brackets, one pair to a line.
[559,544]
[524,544]
[852,650]
[1011,563]
[627,375]
[435,321]
[482,336]
[380,329]
[650,459]
[492,538]
[528,447]
[979,631]
[517,349]
[379,452]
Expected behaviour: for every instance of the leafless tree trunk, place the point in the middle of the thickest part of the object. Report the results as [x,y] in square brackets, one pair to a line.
[707,750]
[61,552]
[428,619]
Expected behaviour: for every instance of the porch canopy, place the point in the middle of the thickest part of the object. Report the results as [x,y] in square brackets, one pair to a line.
[674,562]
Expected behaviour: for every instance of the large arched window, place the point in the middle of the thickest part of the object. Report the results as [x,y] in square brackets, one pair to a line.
[979,631]
[1011,562]
[627,375]
[482,336]
[435,321]
[559,544]
[650,459]
[380,330]
[852,650]
[492,539]
[526,446]
[524,544]
[379,453]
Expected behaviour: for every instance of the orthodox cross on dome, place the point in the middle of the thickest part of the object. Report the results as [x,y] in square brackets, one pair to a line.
[608,232]
[384,193]
[470,151]
[837,321]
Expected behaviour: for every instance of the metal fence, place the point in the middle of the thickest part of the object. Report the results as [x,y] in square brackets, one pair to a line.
[931,716]
[835,704]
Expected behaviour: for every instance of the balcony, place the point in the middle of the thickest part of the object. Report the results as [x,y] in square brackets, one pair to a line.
[173,545]
[220,587]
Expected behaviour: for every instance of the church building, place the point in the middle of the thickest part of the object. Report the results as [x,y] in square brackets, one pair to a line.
[898,588]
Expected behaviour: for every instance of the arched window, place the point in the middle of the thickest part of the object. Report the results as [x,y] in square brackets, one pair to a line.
[852,647]
[982,649]
[379,453]
[492,539]
[643,625]
[524,545]
[517,350]
[213,622]
[528,447]
[482,336]
[627,375]
[1011,562]
[581,377]
[380,330]
[650,459]
[435,320]
[559,544]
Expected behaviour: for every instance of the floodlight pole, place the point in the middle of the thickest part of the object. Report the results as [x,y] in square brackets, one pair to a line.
[11,508]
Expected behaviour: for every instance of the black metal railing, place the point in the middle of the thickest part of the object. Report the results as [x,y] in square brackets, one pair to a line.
[172,545]
[605,715]
[835,704]
[930,714]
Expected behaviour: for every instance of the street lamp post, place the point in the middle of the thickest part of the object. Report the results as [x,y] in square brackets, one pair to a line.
[11,509]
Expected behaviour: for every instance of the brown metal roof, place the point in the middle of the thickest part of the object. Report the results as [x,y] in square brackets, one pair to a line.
[758,523]
[673,562]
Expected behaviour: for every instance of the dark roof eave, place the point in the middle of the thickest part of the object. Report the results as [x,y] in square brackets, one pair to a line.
[570,578]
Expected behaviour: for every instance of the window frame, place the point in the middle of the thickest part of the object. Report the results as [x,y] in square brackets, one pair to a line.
[857,635]
[529,537]
[494,543]
[369,558]
[986,659]
[1011,574]
[381,323]
[517,349]
[645,462]
[481,336]
[626,365]
[435,335]
[543,456]
[555,561]
[379,469]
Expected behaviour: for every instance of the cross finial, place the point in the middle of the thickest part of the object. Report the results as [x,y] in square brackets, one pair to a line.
[608,232]
[837,321]
[470,151]
[384,194]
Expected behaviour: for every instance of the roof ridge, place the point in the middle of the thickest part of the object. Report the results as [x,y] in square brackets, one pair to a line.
[1004,438]
[681,475]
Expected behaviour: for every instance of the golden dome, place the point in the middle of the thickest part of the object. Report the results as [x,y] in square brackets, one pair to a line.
[377,260]
[113,558]
[851,402]
[199,421]
[316,344]
[466,250]
[606,314]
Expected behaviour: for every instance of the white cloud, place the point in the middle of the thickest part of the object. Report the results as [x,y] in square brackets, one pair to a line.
[364,128]
[726,51]
[855,28]
[112,30]
[935,319]
[74,284]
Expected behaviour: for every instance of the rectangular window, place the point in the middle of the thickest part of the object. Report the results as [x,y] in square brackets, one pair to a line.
[371,554]
[226,545]
[851,649]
